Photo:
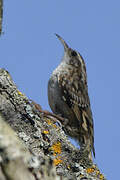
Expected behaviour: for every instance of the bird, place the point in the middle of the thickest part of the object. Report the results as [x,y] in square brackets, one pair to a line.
[68,97]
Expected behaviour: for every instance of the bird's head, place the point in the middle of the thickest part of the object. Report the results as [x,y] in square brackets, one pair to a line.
[71,56]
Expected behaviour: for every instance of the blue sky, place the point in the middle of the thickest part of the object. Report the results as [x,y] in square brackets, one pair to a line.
[30,51]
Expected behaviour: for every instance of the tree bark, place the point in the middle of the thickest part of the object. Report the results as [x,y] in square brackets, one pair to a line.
[32,143]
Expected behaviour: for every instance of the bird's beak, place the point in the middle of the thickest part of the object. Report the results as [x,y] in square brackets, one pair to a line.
[63,42]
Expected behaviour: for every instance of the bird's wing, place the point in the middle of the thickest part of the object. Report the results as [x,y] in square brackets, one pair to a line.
[74,89]
[74,92]
[76,95]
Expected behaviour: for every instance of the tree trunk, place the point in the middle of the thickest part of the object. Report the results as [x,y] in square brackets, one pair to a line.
[33,145]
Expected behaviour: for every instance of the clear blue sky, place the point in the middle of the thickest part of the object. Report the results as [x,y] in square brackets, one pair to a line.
[30,51]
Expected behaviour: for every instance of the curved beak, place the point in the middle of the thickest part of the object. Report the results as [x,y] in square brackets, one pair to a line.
[63,42]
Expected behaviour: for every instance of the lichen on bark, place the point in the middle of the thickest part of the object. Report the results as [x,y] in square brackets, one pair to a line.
[35,140]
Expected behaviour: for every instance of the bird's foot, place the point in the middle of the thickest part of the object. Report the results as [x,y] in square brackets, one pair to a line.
[56,118]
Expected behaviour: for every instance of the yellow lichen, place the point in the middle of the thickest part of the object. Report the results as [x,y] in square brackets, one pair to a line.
[97,172]
[54,125]
[93,169]
[101,176]
[90,170]
[20,93]
[56,148]
[68,167]
[46,132]
[57,161]
[51,123]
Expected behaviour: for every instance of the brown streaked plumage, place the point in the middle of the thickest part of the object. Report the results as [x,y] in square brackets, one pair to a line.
[68,97]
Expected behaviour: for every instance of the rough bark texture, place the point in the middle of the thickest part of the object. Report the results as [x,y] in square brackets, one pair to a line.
[32,143]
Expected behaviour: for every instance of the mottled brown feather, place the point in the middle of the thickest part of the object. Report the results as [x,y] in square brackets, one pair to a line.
[68,96]
[75,92]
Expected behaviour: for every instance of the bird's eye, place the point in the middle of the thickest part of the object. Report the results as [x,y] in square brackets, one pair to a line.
[73,53]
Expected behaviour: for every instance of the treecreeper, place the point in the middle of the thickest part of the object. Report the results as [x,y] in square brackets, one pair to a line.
[68,97]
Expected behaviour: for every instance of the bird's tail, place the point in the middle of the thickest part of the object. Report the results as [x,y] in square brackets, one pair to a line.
[88,130]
